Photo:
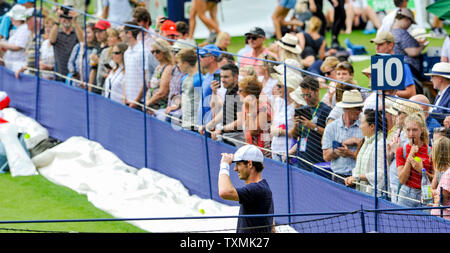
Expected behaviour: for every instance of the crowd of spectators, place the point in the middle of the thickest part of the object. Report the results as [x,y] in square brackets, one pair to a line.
[245,100]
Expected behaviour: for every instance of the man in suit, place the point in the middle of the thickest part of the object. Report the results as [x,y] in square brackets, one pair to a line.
[440,77]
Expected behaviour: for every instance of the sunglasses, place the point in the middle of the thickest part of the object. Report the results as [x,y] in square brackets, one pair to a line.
[328,73]
[117,53]
[252,37]
[205,55]
[156,51]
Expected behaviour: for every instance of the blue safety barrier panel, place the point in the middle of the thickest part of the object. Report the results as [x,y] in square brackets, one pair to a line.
[181,154]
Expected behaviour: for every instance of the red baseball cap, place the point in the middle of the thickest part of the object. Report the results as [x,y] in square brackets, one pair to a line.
[102,25]
[169,27]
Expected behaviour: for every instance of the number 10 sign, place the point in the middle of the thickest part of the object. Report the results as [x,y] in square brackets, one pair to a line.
[387,72]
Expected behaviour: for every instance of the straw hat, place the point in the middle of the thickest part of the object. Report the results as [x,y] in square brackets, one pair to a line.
[289,69]
[290,42]
[292,80]
[367,71]
[351,99]
[440,69]
[390,107]
[296,95]
[420,33]
[181,44]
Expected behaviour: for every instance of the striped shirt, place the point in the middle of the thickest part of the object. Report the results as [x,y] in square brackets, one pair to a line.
[134,71]
[63,48]
[365,164]
[31,53]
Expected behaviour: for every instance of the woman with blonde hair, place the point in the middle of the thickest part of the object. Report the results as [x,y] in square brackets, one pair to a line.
[158,90]
[411,158]
[312,43]
[399,139]
[116,78]
[223,40]
[105,57]
[264,72]
[441,164]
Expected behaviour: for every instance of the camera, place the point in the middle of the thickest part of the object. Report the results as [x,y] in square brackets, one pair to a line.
[66,10]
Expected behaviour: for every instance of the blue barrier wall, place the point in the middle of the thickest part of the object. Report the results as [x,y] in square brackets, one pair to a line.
[181,154]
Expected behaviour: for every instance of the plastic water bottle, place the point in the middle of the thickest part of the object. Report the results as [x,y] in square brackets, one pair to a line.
[426,188]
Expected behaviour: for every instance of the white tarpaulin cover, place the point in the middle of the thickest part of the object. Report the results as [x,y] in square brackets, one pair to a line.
[125,192]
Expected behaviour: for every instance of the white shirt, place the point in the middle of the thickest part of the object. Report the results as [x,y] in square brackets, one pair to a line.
[15,60]
[278,108]
[120,11]
[114,84]
[445,51]
[47,56]
[267,89]
[133,74]
[388,21]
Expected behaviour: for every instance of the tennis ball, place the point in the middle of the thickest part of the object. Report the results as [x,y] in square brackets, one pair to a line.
[417,159]
[26,136]
[202,211]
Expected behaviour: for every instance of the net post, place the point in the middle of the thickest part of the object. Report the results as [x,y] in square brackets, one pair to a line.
[145,102]
[86,74]
[287,145]
[202,122]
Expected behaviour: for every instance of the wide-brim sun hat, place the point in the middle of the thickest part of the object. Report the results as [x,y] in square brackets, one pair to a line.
[289,42]
[390,107]
[292,64]
[296,95]
[440,69]
[181,44]
[420,33]
[292,80]
[351,99]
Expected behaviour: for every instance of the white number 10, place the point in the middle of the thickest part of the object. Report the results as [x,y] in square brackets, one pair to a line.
[387,71]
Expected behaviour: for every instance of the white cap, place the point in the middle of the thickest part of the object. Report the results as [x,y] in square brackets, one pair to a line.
[248,153]
[17,12]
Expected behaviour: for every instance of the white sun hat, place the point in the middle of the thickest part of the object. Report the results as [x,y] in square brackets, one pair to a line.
[290,68]
[440,69]
[296,95]
[420,33]
[290,43]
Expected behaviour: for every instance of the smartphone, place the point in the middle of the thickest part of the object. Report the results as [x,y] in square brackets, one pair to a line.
[305,112]
[107,66]
[163,19]
[66,10]
[216,77]
[336,144]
